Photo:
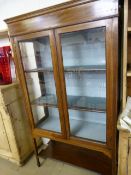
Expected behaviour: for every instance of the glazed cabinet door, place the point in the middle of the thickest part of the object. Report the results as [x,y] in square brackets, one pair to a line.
[87,65]
[37,68]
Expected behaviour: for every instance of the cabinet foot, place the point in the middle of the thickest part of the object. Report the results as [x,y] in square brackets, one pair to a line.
[36,152]
[38,162]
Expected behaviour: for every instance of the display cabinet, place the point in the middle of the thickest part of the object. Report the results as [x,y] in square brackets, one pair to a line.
[67,61]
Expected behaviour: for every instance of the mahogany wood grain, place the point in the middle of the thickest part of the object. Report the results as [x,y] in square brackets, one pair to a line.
[84,12]
[57,81]
[115,100]
[92,145]
[48,10]
[81,157]
[63,85]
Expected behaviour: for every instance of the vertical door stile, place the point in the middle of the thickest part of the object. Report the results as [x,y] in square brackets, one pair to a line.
[62,81]
[111,94]
[57,80]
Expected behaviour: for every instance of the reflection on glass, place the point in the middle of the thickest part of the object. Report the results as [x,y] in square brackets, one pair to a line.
[85,75]
[36,53]
[37,63]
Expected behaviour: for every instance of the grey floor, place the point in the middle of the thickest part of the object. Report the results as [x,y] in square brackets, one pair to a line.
[49,167]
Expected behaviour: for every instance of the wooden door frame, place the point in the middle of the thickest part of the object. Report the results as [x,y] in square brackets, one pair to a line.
[15,42]
[111,76]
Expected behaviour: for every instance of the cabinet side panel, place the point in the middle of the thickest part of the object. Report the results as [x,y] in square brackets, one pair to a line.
[21,127]
[125,53]
[4,145]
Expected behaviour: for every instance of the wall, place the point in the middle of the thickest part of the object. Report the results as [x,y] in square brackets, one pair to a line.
[14,8]
[4,42]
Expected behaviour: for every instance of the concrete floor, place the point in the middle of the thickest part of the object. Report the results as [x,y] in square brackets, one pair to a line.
[48,167]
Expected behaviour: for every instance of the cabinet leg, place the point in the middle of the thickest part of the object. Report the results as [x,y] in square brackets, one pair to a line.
[36,153]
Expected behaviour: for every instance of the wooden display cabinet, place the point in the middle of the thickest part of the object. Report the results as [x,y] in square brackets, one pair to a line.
[67,62]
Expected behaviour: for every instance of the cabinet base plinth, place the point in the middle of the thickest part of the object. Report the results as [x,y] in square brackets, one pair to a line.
[85,158]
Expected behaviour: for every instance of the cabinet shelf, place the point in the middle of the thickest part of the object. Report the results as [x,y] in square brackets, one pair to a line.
[95,68]
[85,129]
[83,103]
[50,124]
[48,100]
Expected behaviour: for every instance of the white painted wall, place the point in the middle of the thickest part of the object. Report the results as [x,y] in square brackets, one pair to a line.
[4,42]
[11,8]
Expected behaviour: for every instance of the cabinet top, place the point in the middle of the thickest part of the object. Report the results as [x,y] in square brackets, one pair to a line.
[72,12]
[8,86]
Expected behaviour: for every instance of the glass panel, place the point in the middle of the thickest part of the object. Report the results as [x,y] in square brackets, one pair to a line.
[37,63]
[89,125]
[36,53]
[46,118]
[85,75]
